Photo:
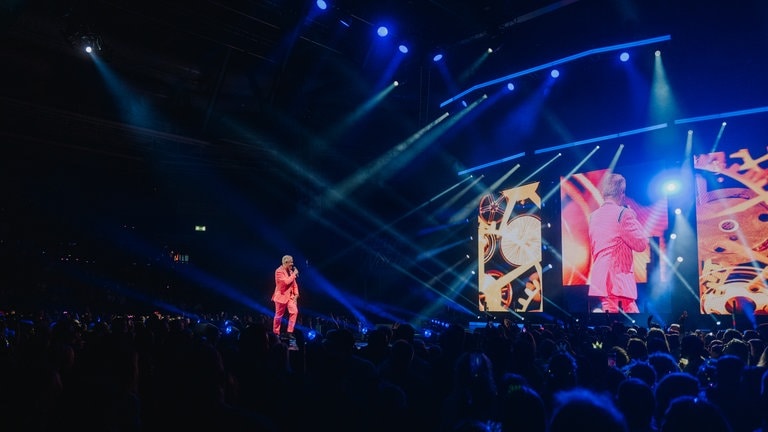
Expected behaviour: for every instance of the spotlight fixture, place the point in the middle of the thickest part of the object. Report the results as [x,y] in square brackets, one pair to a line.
[437,57]
[90,43]
[624,56]
[403,49]
[321,4]
[382,31]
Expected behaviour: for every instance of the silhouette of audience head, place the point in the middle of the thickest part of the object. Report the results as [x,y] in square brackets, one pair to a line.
[473,395]
[402,354]
[522,409]
[756,347]
[581,409]
[657,341]
[339,342]
[738,348]
[403,331]
[643,371]
[763,361]
[378,337]
[690,413]
[749,335]
[672,386]
[377,348]
[635,399]
[715,348]
[472,425]
[561,371]
[691,345]
[762,331]
[728,371]
[620,355]
[254,339]
[763,403]
[730,334]
[663,363]
[637,350]
[473,373]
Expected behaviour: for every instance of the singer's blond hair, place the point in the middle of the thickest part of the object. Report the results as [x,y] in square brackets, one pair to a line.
[614,186]
[287,258]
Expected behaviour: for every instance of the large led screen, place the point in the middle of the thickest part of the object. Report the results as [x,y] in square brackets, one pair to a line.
[580,196]
[732,228]
[509,242]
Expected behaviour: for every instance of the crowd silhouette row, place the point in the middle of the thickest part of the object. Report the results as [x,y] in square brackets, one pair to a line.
[156,372]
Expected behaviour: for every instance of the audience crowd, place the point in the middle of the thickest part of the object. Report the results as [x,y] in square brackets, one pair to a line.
[68,371]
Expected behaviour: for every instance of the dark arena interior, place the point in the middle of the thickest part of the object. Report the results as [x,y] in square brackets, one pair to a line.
[429,165]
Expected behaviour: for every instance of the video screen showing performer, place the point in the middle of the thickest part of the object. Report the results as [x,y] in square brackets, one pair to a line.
[615,235]
[581,195]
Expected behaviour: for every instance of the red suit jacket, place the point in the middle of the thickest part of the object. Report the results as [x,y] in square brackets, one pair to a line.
[614,233]
[286,288]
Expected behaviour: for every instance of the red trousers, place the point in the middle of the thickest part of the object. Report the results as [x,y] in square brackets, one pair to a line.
[280,309]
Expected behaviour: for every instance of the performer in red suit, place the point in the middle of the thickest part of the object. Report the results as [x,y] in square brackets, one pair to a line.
[614,232]
[285,295]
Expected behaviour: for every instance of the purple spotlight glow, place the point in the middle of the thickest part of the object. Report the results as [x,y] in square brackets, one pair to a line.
[555,73]
[437,57]
[321,4]
[382,31]
[403,49]
[624,56]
